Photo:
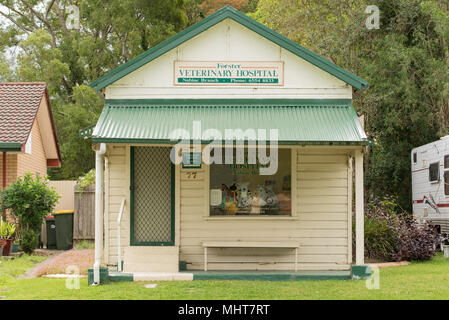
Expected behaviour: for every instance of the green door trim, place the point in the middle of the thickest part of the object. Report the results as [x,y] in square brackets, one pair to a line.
[131,189]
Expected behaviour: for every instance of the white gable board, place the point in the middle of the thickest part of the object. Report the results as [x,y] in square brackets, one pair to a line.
[229,41]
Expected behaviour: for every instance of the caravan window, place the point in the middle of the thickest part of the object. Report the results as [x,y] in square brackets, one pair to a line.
[415,157]
[434,172]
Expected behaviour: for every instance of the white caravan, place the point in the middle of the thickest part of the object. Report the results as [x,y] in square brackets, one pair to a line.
[430,183]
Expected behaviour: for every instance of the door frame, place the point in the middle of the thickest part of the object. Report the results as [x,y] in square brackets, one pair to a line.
[172,214]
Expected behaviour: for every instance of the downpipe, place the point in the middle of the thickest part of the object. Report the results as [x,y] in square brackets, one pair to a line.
[99,158]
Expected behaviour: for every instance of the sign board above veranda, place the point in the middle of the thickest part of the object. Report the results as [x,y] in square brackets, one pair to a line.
[234,73]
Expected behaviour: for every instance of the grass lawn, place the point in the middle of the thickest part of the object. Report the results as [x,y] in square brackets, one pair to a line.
[427,280]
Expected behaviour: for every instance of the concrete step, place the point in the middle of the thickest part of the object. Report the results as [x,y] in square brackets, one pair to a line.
[162,276]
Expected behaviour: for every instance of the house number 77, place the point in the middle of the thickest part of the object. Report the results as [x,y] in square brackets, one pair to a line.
[191,175]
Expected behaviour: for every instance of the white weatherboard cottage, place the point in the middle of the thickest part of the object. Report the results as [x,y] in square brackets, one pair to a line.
[228,72]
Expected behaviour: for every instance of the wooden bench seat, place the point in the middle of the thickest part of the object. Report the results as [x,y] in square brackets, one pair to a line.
[251,244]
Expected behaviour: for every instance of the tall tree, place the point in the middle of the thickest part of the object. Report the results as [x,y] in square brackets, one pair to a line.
[48,45]
[405,61]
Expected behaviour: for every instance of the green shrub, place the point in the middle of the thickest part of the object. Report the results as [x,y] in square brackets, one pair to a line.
[391,234]
[29,241]
[30,199]
[84,244]
[85,181]
[380,240]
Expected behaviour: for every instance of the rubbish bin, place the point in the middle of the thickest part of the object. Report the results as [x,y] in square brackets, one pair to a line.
[51,232]
[64,229]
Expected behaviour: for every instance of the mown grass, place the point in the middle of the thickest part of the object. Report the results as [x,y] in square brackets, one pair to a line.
[11,269]
[426,280]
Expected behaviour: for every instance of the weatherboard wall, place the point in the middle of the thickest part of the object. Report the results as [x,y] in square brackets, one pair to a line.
[36,161]
[229,41]
[320,222]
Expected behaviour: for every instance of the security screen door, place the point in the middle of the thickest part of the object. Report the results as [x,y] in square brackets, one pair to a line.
[152,188]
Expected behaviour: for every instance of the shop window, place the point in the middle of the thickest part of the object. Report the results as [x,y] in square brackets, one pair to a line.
[239,189]
[434,172]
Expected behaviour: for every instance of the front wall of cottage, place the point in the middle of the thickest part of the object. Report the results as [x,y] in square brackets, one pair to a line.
[320,222]
[321,177]
[229,41]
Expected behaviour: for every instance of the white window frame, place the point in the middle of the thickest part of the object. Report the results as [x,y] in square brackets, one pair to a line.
[438,166]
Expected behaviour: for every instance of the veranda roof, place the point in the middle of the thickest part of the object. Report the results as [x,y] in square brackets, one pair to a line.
[307,122]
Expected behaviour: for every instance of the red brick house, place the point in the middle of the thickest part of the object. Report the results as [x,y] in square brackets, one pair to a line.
[28,139]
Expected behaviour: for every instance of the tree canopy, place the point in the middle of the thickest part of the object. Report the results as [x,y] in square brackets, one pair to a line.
[41,43]
[406,62]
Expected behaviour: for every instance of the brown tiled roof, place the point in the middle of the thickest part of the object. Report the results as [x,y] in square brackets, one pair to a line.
[19,103]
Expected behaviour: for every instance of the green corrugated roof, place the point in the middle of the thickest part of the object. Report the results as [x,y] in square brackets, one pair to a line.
[86,133]
[297,121]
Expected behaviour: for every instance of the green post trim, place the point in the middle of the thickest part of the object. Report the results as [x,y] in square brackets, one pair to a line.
[360,272]
[172,225]
[115,276]
[104,275]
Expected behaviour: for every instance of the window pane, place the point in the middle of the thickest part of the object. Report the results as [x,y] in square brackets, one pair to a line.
[239,189]
[446,162]
[434,171]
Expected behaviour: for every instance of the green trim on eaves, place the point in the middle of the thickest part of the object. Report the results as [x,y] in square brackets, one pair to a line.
[239,17]
[221,102]
[286,143]
[10,146]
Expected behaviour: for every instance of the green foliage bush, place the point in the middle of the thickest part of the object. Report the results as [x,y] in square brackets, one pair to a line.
[391,234]
[86,180]
[30,199]
[29,241]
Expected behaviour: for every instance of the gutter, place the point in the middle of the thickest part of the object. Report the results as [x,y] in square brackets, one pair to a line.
[10,146]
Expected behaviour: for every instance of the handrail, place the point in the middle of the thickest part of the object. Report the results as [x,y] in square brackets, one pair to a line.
[119,245]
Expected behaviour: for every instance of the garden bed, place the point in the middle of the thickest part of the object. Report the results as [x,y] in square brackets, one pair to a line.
[72,259]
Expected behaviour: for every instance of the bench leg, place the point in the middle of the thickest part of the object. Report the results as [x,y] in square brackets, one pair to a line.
[296,259]
[205,258]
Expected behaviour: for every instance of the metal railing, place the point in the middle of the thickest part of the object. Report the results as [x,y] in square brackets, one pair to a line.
[119,241]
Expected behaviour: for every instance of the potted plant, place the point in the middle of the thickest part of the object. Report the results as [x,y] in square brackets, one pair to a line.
[15,247]
[7,231]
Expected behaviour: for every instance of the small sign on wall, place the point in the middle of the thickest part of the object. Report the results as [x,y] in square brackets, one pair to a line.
[232,73]
[191,160]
